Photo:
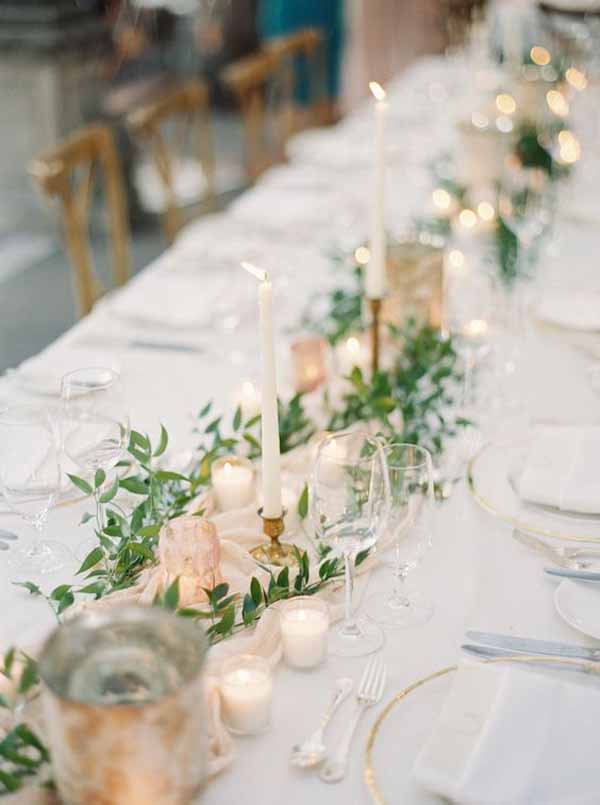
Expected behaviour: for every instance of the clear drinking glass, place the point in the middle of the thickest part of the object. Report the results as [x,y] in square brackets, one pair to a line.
[410,522]
[30,481]
[95,427]
[349,504]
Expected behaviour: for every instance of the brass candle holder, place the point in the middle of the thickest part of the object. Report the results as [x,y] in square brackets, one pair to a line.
[375,307]
[280,554]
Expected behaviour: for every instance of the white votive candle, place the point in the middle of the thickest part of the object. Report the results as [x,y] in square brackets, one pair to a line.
[233,482]
[247,397]
[304,626]
[246,694]
[350,353]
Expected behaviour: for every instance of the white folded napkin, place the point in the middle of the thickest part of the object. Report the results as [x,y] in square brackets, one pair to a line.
[510,735]
[170,299]
[577,310]
[562,468]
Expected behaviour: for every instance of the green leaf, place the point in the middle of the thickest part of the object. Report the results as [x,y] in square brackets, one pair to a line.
[96,588]
[99,478]
[81,484]
[248,610]
[225,625]
[283,579]
[256,591]
[30,586]
[91,560]
[111,492]
[58,592]
[142,550]
[29,676]
[86,517]
[163,442]
[10,781]
[149,530]
[166,475]
[253,421]
[8,661]
[194,613]
[206,410]
[218,592]
[361,556]
[134,484]
[65,602]
[237,419]
[303,503]
[171,596]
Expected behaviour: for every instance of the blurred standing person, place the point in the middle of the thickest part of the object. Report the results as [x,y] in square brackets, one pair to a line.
[281,17]
[384,36]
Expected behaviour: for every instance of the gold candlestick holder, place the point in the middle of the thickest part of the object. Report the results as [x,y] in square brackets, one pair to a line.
[375,307]
[280,554]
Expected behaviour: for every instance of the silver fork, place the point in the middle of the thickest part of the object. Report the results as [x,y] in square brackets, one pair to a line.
[369,693]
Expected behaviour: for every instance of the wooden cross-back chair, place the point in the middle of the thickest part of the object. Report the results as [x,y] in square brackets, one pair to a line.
[303,47]
[176,120]
[254,82]
[67,173]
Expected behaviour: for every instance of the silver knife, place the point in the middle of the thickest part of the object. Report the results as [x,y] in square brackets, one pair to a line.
[164,346]
[545,660]
[582,575]
[529,645]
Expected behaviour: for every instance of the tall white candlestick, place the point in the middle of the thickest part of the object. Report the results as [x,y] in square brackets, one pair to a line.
[271,470]
[375,274]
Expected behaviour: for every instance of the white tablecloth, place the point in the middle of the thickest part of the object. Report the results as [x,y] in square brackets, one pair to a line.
[476,574]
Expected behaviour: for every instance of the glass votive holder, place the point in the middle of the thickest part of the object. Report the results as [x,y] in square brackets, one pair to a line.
[304,625]
[246,694]
[123,700]
[309,363]
[233,482]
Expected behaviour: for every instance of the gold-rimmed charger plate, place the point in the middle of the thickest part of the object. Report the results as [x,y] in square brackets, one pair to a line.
[489,479]
[373,777]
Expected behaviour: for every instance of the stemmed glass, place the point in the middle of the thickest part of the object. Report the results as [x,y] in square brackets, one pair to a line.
[95,428]
[30,477]
[410,522]
[349,505]
[525,206]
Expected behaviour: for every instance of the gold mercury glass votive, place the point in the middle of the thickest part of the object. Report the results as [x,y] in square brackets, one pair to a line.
[309,363]
[124,707]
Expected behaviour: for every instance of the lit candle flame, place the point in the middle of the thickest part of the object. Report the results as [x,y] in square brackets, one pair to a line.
[377,90]
[227,468]
[260,275]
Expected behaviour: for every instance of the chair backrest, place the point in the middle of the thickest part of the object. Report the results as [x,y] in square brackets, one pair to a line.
[67,173]
[254,82]
[305,49]
[177,120]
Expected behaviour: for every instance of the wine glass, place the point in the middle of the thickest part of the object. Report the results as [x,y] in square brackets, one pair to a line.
[95,428]
[349,504]
[30,481]
[525,206]
[410,469]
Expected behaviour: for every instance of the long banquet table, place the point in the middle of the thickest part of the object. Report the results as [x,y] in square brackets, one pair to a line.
[476,574]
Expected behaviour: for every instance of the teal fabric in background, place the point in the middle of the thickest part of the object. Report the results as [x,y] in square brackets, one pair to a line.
[279,17]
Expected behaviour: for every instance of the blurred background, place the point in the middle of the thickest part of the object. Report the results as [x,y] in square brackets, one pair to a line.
[67,63]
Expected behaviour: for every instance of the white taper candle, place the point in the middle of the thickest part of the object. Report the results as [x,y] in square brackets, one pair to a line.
[375,274]
[271,470]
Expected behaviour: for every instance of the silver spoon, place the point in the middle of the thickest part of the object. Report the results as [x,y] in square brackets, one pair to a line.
[312,751]
[9,535]
[4,546]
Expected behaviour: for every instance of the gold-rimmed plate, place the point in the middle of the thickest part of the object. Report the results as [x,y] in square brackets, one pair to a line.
[393,783]
[490,478]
